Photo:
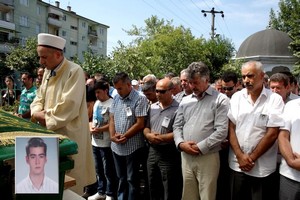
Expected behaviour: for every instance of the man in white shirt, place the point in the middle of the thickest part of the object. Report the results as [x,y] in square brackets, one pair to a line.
[36,181]
[289,146]
[254,121]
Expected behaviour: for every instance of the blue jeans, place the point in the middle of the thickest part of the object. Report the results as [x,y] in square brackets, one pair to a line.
[127,168]
[105,170]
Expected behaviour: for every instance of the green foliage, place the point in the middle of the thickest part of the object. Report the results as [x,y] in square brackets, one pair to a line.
[217,52]
[160,47]
[234,66]
[24,58]
[287,20]
[4,72]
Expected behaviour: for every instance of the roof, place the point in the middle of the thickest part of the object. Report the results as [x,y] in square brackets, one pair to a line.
[268,42]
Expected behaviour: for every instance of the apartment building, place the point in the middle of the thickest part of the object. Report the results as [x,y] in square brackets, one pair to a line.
[22,19]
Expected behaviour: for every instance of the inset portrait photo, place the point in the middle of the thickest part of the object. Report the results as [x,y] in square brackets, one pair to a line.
[36,165]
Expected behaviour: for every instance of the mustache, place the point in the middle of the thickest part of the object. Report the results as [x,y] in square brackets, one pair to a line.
[248,84]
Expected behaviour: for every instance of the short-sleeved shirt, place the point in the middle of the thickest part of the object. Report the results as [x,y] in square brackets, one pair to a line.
[125,111]
[26,99]
[251,121]
[100,118]
[203,120]
[291,118]
[161,120]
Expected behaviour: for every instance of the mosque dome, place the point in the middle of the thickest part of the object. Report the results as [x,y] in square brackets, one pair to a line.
[269,42]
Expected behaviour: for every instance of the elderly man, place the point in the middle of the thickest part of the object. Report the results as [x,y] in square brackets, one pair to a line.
[186,90]
[200,126]
[148,89]
[254,116]
[60,104]
[164,165]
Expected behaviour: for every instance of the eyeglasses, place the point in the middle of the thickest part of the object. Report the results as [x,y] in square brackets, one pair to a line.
[161,91]
[228,88]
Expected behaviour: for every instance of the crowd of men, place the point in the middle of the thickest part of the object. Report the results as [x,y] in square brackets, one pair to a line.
[234,139]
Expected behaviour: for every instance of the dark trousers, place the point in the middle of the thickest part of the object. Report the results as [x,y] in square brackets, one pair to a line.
[289,189]
[105,170]
[223,187]
[245,187]
[164,172]
[127,168]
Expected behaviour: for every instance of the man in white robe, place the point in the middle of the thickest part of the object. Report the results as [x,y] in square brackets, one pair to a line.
[60,105]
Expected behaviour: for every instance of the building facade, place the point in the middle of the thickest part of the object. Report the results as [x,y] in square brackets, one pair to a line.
[22,19]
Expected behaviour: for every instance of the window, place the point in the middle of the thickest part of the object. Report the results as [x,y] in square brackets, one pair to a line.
[64,18]
[38,10]
[23,41]
[73,43]
[64,33]
[74,27]
[38,28]
[101,45]
[3,37]
[83,38]
[24,21]
[24,2]
[101,30]
[83,24]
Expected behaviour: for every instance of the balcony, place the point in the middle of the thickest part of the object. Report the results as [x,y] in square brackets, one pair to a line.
[6,5]
[55,12]
[54,22]
[7,25]
[92,33]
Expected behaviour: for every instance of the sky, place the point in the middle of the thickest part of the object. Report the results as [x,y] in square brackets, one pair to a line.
[242,18]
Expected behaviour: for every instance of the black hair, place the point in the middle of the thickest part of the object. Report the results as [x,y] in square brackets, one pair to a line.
[199,69]
[36,142]
[280,77]
[121,76]
[10,77]
[229,76]
[102,85]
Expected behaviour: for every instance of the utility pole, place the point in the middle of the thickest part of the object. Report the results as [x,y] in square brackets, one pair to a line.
[213,12]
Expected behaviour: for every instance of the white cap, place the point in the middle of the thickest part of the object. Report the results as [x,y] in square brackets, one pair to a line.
[45,39]
[134,82]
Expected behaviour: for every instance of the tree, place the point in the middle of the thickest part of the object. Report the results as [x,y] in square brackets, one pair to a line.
[4,72]
[218,52]
[160,47]
[93,63]
[24,58]
[287,20]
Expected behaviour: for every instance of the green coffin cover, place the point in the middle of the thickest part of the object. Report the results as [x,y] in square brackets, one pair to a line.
[12,126]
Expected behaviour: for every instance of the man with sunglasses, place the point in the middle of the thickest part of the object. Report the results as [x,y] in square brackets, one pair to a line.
[163,164]
[254,121]
[200,125]
[229,81]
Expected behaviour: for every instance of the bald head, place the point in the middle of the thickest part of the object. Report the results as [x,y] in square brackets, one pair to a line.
[163,91]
